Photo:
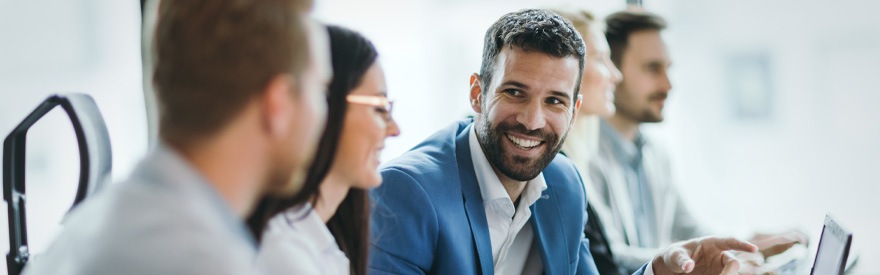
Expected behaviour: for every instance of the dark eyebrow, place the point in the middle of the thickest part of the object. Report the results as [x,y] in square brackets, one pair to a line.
[561,94]
[515,83]
[526,87]
[659,64]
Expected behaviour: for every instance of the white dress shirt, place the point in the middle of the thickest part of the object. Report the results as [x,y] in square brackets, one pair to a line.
[511,238]
[298,242]
[513,251]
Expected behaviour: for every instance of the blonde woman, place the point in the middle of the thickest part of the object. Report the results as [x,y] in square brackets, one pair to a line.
[597,87]
[599,80]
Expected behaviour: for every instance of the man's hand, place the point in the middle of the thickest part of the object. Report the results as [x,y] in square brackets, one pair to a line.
[773,244]
[707,255]
[750,263]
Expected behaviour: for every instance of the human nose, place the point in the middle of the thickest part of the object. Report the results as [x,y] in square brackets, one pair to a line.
[532,116]
[616,75]
[392,129]
[665,83]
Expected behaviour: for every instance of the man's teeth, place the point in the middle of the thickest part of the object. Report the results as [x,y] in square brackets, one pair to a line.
[523,142]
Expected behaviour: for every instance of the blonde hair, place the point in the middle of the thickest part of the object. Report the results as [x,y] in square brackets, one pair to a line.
[582,20]
[582,141]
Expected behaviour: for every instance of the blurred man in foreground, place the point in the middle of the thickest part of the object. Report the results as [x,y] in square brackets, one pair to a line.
[241,87]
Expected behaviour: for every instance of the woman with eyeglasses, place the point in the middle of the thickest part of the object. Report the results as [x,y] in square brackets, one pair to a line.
[324,229]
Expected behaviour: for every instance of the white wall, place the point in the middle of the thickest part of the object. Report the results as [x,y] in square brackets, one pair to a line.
[429,49]
[52,46]
[815,152]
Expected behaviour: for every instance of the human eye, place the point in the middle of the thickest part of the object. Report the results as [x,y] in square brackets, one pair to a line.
[554,101]
[513,92]
[655,68]
[382,113]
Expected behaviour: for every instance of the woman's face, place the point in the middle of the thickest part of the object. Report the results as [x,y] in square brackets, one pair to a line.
[363,134]
[600,77]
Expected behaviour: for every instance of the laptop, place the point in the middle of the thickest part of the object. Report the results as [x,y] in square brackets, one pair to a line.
[833,249]
[831,254]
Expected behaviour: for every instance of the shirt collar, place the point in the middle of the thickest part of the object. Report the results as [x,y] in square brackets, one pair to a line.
[490,186]
[307,221]
[625,149]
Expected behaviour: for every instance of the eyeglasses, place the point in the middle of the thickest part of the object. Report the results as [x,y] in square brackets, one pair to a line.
[380,102]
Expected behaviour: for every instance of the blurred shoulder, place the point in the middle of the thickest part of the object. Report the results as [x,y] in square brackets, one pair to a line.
[142,228]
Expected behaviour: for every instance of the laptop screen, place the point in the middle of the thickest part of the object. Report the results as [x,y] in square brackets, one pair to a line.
[833,249]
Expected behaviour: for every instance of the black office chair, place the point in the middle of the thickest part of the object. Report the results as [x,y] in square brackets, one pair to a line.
[94,157]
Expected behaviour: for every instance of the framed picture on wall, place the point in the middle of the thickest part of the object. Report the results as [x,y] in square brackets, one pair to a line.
[750,82]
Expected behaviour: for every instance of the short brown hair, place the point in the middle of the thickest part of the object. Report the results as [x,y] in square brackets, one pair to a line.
[621,24]
[213,56]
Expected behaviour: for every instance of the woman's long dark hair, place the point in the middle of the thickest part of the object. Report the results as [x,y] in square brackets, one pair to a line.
[352,55]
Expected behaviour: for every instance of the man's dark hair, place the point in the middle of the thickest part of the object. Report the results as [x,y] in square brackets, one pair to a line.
[621,24]
[532,30]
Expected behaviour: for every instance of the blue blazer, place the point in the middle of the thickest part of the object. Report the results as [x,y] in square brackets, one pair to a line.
[428,215]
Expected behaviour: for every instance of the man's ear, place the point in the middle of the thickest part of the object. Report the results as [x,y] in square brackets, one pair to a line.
[277,105]
[476,97]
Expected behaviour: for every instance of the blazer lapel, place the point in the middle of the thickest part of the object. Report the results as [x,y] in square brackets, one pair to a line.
[473,202]
[548,233]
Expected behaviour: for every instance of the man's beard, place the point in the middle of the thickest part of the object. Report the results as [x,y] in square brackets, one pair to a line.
[516,167]
[650,117]
[644,115]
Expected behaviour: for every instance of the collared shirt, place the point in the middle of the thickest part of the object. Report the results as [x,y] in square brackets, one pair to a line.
[297,241]
[165,219]
[629,153]
[512,241]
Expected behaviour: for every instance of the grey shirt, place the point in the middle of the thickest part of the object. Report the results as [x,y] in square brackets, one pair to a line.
[629,157]
[165,219]
[636,198]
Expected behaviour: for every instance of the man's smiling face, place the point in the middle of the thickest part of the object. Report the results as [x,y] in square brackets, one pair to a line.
[526,111]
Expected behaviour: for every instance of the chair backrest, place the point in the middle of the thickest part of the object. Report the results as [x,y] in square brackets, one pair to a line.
[94,157]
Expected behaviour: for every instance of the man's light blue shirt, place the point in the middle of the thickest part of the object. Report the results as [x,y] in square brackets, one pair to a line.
[629,153]
[165,219]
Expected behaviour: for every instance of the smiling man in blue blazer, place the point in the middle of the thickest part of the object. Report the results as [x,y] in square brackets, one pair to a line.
[493,195]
